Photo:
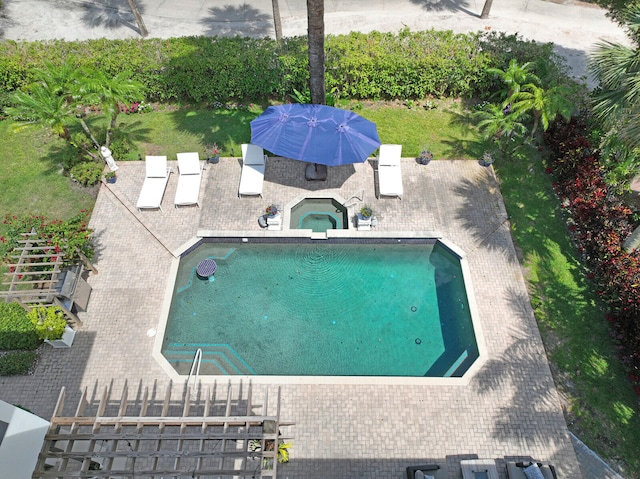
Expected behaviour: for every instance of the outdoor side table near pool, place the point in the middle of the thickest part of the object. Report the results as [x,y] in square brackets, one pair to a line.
[206,268]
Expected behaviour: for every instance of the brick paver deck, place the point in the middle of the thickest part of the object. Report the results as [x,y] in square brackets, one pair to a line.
[509,409]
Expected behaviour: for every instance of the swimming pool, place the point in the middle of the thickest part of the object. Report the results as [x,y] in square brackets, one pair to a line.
[330,308]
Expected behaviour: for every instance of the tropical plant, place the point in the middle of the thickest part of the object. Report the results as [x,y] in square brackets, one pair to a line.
[514,76]
[546,105]
[41,105]
[301,96]
[617,68]
[502,128]
[95,87]
[58,97]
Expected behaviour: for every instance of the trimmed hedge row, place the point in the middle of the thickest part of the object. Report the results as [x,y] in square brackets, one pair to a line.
[16,363]
[16,331]
[599,223]
[207,69]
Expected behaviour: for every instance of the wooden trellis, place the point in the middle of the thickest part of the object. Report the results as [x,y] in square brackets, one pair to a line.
[208,438]
[36,273]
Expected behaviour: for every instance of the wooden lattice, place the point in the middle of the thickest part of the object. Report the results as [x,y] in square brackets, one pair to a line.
[142,438]
[34,272]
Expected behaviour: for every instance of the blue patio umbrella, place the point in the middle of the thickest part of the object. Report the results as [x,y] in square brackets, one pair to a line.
[315,133]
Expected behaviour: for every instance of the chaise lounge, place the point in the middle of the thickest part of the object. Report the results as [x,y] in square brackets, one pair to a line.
[389,171]
[426,471]
[528,470]
[253,165]
[189,179]
[155,182]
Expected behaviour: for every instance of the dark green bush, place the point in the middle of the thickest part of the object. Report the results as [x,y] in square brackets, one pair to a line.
[120,147]
[87,173]
[16,331]
[17,362]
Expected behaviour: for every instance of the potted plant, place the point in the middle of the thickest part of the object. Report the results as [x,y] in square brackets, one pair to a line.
[425,156]
[487,159]
[51,326]
[366,212]
[110,176]
[213,153]
[271,210]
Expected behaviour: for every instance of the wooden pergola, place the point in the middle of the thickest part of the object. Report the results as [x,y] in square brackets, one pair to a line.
[148,438]
[36,275]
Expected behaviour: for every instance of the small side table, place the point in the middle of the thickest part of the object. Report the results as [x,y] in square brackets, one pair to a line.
[363,224]
[274,223]
[479,469]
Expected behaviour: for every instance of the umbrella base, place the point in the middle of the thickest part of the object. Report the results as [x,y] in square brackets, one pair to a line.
[315,172]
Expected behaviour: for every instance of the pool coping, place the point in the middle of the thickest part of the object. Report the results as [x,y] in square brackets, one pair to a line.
[273,379]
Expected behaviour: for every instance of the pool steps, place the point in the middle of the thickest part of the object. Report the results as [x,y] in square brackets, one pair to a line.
[217,359]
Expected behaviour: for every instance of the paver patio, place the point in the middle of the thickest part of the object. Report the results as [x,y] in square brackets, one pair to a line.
[509,409]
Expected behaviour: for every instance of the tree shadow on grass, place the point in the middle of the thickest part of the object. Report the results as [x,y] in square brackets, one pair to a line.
[242,20]
[474,146]
[453,6]
[111,14]
[227,128]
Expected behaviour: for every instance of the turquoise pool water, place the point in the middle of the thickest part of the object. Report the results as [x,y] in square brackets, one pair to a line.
[322,309]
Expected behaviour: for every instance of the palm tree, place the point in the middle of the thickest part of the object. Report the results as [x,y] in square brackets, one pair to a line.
[136,13]
[617,68]
[503,128]
[546,105]
[514,76]
[486,9]
[41,105]
[96,88]
[315,19]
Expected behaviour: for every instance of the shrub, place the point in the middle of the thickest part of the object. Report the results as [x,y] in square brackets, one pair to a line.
[17,362]
[16,331]
[120,147]
[405,65]
[87,173]
[68,236]
[599,223]
[49,321]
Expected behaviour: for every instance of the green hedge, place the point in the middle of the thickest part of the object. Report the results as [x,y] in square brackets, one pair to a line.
[16,331]
[17,362]
[399,65]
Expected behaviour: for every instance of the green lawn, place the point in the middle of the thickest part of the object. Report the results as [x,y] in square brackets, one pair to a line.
[603,410]
[30,179]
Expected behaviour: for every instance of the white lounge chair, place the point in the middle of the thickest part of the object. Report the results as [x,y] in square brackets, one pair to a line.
[190,176]
[389,171]
[155,182]
[253,163]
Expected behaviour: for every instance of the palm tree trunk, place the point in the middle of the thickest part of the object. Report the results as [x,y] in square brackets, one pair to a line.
[85,127]
[277,23]
[486,9]
[315,19]
[136,14]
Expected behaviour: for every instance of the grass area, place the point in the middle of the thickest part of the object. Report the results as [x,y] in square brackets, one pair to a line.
[443,129]
[30,178]
[601,407]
